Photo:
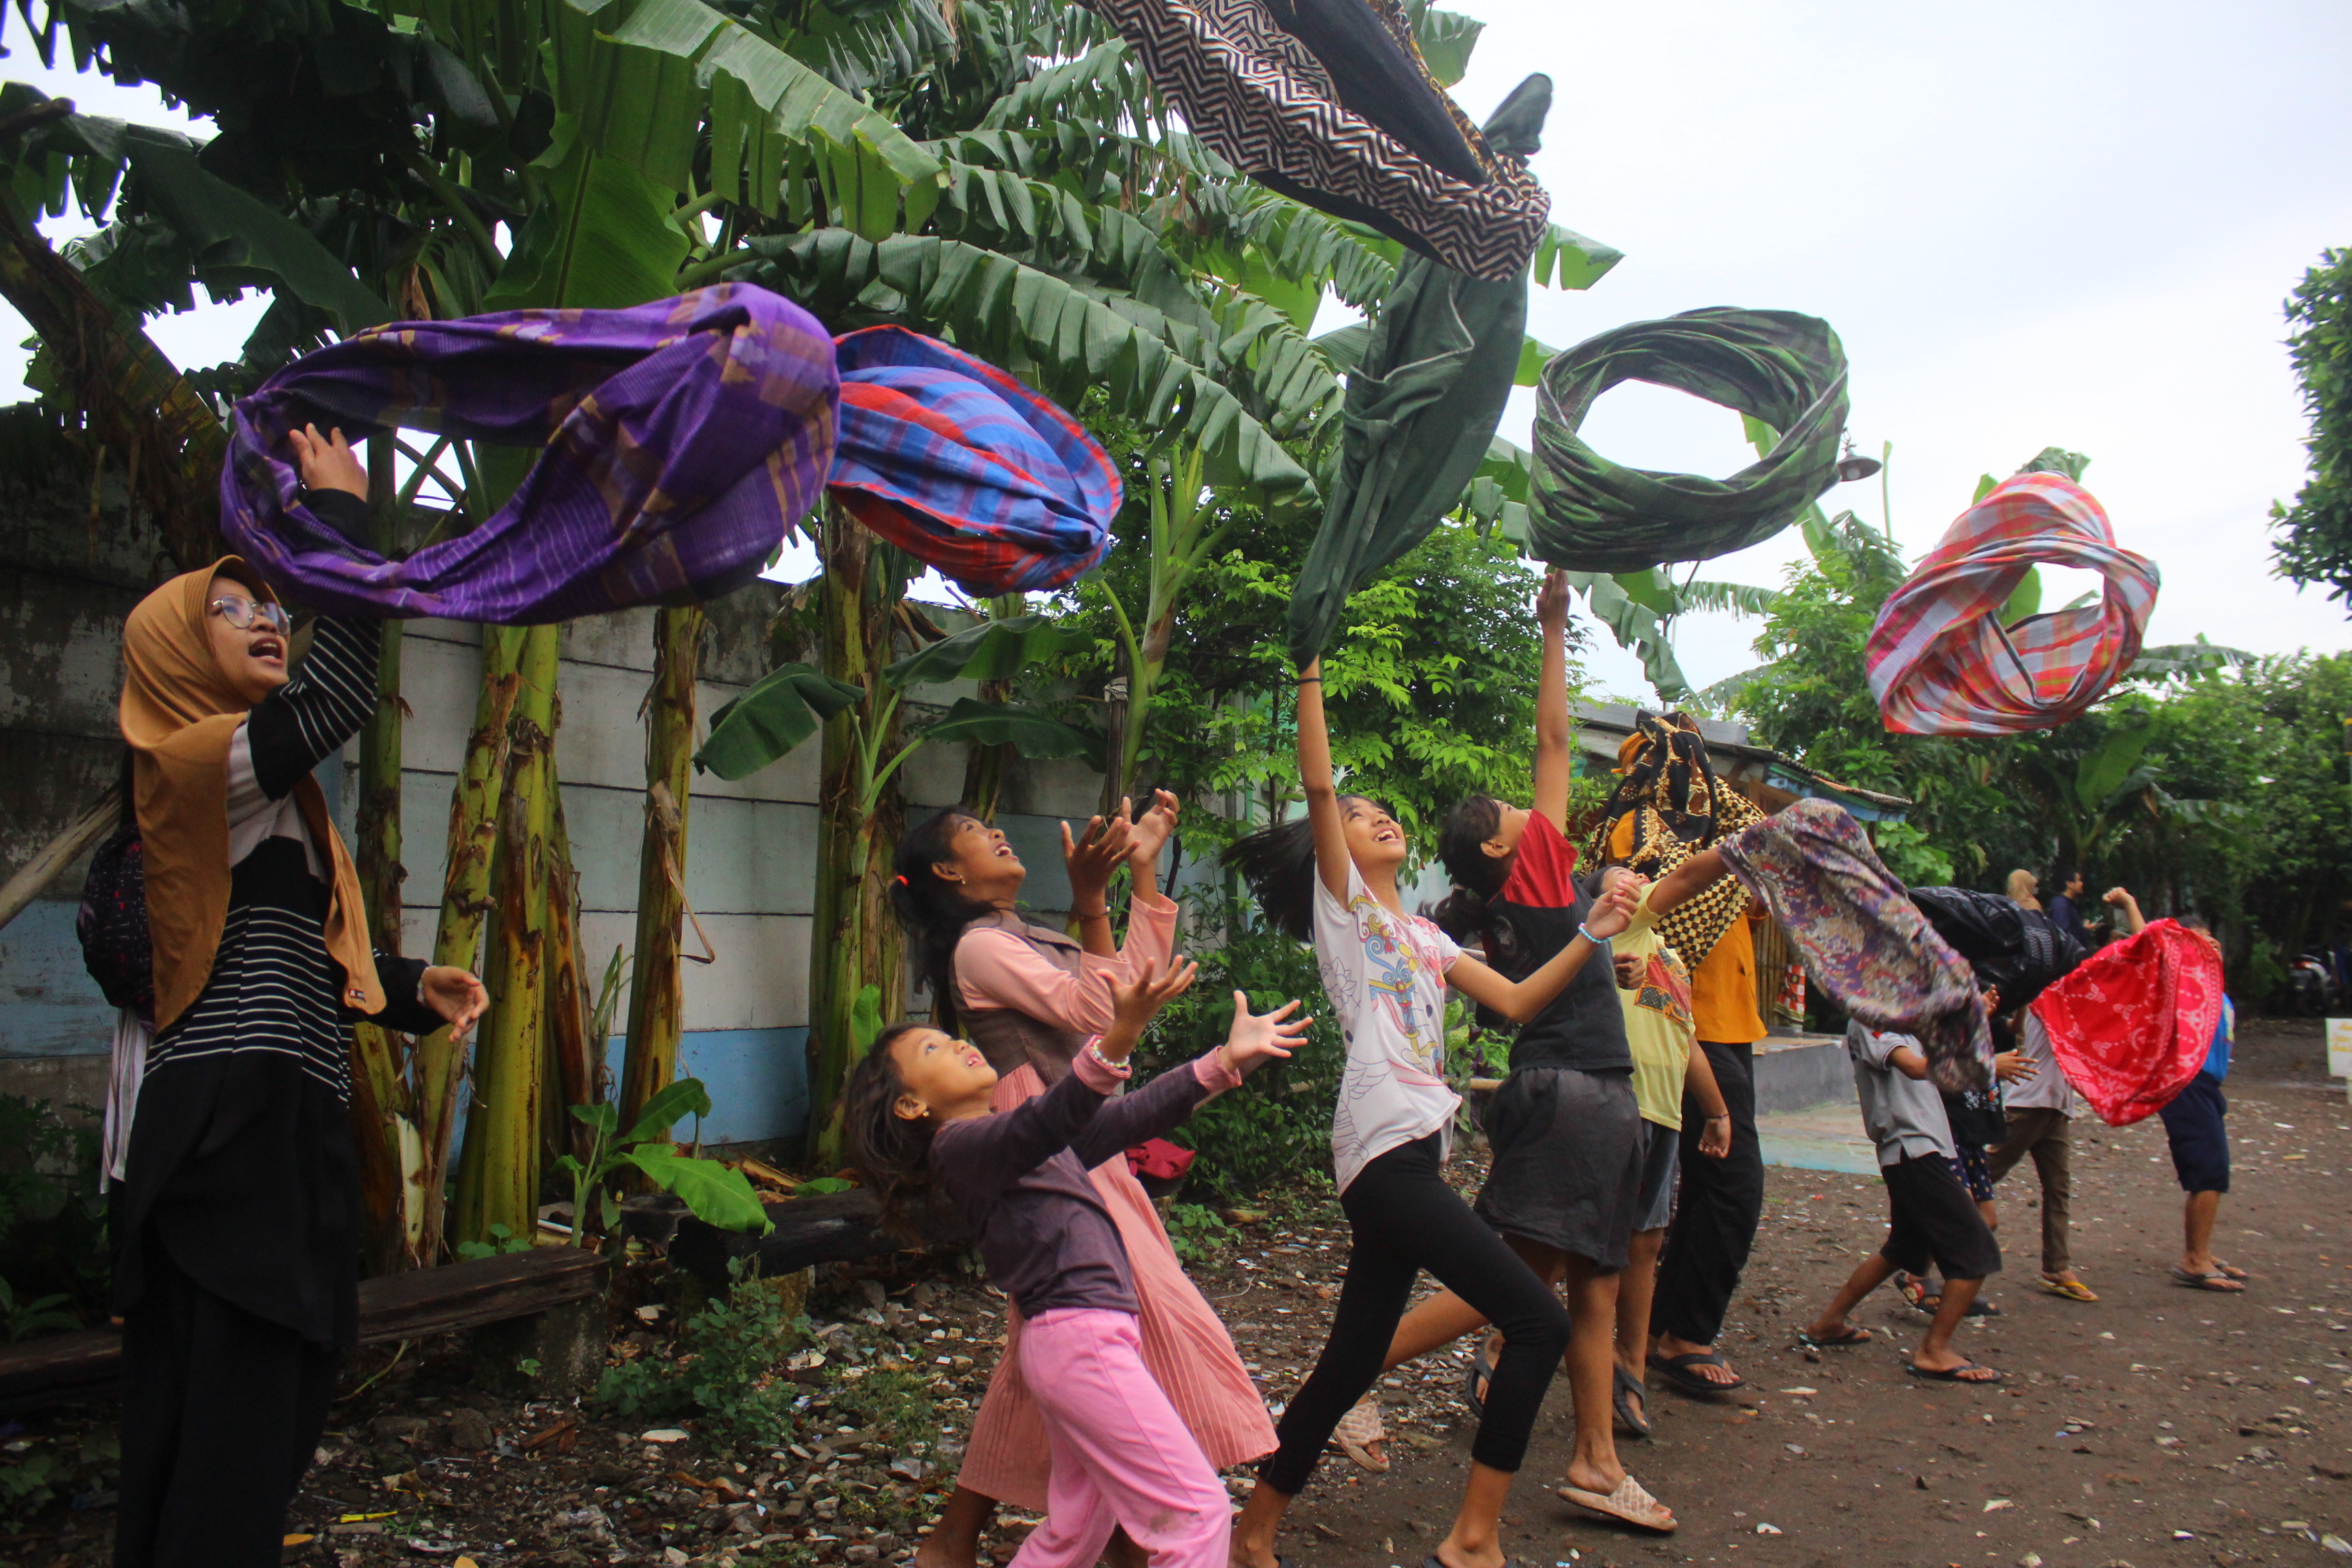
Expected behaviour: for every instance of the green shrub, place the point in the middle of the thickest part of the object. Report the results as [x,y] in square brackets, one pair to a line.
[1276,1126]
[52,1215]
[1196,1232]
[729,1374]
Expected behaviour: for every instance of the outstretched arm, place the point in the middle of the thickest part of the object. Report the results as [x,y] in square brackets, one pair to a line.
[1315,778]
[1520,1000]
[1555,762]
[1689,880]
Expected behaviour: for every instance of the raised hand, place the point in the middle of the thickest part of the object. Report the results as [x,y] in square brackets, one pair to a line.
[1134,1003]
[1551,600]
[1151,831]
[326,462]
[1092,858]
[1259,1038]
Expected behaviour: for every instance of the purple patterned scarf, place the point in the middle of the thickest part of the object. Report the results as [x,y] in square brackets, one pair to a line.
[681,438]
[1863,940]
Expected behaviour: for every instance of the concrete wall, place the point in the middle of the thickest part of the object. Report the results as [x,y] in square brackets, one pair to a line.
[65,588]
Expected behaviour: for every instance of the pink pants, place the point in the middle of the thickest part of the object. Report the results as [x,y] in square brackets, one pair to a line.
[1121,1457]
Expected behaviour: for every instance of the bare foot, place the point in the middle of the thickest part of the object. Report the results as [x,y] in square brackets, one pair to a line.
[954,1541]
[1123,1552]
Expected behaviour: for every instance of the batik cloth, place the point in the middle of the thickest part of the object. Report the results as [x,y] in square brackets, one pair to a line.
[1787,371]
[1422,408]
[1329,102]
[966,469]
[1861,938]
[1669,781]
[1940,662]
[681,438]
[2131,1024]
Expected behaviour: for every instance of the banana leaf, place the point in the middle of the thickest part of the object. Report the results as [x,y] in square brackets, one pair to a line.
[1033,734]
[780,711]
[992,650]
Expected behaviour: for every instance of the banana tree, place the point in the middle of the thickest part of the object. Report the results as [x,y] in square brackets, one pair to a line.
[860,704]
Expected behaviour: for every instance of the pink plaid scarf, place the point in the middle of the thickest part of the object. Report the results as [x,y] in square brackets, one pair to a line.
[1942,664]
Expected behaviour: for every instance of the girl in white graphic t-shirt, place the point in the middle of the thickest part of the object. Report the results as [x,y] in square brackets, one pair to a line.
[1333,875]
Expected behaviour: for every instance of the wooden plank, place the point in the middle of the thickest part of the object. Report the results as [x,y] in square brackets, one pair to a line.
[408,1306]
[480,1290]
[45,866]
[56,1366]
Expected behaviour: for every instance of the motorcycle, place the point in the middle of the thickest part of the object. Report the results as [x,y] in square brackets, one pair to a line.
[2311,988]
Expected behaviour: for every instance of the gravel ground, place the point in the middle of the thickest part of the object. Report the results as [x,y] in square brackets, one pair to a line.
[2158,1427]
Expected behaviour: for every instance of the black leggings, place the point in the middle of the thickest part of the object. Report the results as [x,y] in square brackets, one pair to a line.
[1405,1219]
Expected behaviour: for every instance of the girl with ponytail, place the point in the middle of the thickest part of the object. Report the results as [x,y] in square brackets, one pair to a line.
[1386,974]
[1032,999]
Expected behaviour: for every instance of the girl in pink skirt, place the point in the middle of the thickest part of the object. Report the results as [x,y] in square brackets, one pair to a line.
[1030,999]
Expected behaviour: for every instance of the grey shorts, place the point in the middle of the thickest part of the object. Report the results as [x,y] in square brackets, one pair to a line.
[1567,1161]
[1662,1156]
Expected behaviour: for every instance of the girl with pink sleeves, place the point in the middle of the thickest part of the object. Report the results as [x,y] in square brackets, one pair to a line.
[1032,999]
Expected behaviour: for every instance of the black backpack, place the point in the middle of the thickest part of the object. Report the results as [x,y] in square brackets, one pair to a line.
[112,924]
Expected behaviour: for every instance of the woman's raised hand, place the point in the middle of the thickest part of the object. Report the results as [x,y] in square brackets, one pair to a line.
[1258,1037]
[326,462]
[456,995]
[1551,600]
[1134,1003]
[1092,858]
[1152,830]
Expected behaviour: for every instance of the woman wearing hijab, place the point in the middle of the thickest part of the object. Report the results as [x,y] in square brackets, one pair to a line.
[1032,999]
[236,1222]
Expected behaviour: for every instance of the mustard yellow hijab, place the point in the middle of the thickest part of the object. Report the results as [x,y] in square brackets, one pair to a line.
[179,714]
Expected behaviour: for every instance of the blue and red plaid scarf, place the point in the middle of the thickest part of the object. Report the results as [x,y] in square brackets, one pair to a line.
[681,438]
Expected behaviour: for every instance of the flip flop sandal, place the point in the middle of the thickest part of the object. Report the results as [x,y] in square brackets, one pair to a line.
[2231,1269]
[1476,1381]
[1628,1502]
[1676,1370]
[1979,1307]
[2215,1281]
[1356,1432]
[1628,1423]
[2072,1290]
[1849,1335]
[1912,1288]
[1952,1374]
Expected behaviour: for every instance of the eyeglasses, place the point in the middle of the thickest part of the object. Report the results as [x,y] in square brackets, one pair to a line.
[242,613]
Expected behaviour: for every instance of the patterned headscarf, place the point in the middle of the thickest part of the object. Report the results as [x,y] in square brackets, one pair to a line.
[1668,785]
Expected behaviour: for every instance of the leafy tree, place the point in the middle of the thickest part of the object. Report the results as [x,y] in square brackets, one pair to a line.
[2314,537]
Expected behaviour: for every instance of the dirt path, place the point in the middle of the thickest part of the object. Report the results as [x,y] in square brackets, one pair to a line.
[2158,1428]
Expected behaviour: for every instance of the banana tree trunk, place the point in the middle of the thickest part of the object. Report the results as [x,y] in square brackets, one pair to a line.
[498,1181]
[657,993]
[983,766]
[572,1056]
[439,1062]
[856,941]
[133,399]
[382,1128]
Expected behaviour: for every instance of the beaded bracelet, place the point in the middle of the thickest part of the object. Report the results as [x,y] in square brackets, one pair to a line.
[1093,1049]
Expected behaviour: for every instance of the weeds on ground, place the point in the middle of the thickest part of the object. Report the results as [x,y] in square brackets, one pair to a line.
[729,1374]
[1196,1232]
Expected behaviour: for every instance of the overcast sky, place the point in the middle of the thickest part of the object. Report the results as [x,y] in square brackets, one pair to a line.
[2031,226]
